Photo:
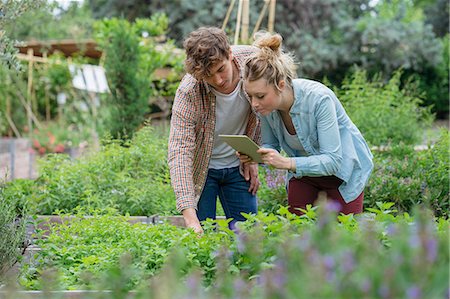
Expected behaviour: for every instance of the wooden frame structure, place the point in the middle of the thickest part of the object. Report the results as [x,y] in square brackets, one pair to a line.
[243,17]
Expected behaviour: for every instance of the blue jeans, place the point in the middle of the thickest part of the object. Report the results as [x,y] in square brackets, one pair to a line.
[232,189]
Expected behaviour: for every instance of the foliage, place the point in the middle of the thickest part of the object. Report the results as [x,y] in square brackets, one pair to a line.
[10,10]
[272,191]
[264,258]
[436,14]
[132,55]
[128,90]
[397,36]
[132,178]
[408,178]
[52,21]
[434,81]
[12,231]
[10,109]
[384,113]
[57,137]
[327,36]
[96,244]
[71,122]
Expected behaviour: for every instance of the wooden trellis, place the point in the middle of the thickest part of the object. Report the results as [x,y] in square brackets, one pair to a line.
[243,17]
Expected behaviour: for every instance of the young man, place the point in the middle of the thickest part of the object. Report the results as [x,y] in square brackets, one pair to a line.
[210,101]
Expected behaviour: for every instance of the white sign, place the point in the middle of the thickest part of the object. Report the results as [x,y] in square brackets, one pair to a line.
[89,77]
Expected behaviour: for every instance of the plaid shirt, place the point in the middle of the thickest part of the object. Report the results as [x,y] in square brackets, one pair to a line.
[191,137]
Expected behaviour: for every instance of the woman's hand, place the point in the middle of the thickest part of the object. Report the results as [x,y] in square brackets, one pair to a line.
[274,158]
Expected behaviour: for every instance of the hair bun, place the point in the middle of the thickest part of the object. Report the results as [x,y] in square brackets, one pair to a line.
[268,42]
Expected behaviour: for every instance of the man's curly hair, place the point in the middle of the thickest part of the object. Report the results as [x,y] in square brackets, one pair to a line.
[205,47]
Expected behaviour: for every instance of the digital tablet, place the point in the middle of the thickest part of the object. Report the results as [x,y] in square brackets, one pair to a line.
[244,145]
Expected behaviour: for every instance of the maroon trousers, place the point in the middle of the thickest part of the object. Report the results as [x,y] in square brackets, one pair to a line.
[305,190]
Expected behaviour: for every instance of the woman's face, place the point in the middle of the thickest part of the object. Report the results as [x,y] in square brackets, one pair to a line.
[264,96]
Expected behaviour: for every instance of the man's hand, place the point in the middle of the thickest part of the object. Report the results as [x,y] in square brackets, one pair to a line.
[191,220]
[251,173]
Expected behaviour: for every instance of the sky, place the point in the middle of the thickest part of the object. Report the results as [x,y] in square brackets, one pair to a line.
[65,3]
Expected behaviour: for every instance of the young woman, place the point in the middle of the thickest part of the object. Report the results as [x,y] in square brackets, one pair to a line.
[326,151]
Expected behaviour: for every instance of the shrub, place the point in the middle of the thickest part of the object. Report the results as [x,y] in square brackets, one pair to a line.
[129,93]
[132,178]
[384,113]
[408,178]
[12,231]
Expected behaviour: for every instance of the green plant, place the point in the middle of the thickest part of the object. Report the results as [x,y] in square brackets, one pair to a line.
[264,258]
[132,55]
[409,178]
[129,92]
[10,10]
[272,192]
[95,245]
[376,108]
[434,170]
[12,231]
[132,178]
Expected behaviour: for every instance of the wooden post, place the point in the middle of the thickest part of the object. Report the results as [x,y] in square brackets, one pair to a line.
[271,26]
[238,23]
[245,20]
[12,155]
[261,16]
[227,16]
[8,113]
[29,87]
[47,98]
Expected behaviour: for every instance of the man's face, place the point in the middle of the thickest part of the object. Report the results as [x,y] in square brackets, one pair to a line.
[222,76]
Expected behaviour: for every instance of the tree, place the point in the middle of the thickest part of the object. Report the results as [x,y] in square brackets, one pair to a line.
[10,10]
[51,21]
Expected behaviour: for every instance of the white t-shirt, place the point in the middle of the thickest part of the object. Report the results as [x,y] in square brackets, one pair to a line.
[232,112]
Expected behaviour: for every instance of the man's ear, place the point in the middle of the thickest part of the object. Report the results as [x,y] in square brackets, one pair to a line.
[282,84]
[230,54]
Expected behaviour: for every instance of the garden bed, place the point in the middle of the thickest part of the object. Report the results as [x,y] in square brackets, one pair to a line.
[264,247]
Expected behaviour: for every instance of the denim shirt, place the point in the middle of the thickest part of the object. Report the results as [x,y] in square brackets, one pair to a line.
[333,143]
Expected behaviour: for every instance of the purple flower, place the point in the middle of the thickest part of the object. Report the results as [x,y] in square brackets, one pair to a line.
[391,229]
[333,206]
[240,287]
[383,291]
[275,178]
[413,292]
[241,240]
[348,262]
[431,247]
[328,261]
[279,278]
[366,286]
[193,281]
[414,240]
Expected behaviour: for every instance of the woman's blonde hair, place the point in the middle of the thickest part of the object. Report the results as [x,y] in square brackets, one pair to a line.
[270,63]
